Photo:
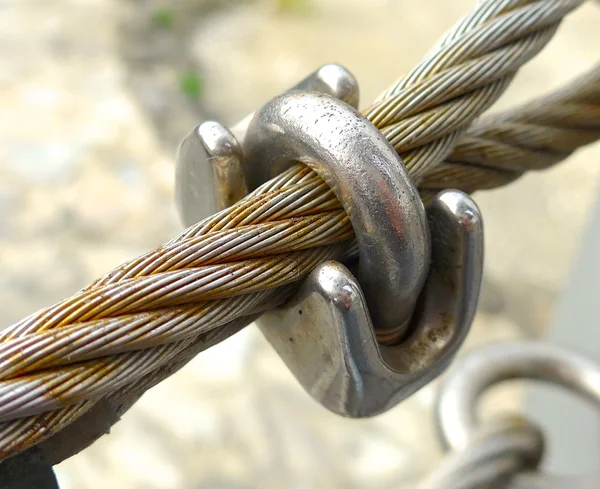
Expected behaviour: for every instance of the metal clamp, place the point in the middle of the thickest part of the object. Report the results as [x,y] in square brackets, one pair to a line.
[325,334]
[369,179]
[427,298]
[460,392]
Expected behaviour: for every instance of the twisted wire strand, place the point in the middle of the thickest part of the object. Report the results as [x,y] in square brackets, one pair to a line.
[44,356]
[59,431]
[35,388]
[498,149]
[497,452]
[132,326]
[18,435]
[463,77]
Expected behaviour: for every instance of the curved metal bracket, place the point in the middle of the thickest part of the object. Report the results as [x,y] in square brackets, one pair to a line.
[461,390]
[325,336]
[370,180]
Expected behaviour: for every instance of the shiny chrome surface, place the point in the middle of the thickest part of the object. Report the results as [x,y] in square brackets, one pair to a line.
[326,337]
[371,182]
[209,174]
[459,394]
[327,333]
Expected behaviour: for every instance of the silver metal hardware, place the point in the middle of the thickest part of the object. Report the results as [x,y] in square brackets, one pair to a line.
[369,179]
[209,174]
[459,394]
[327,333]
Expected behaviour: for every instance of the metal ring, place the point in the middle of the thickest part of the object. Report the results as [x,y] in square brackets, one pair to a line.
[461,390]
[368,177]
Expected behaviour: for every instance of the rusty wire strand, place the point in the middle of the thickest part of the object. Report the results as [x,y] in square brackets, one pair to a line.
[144,320]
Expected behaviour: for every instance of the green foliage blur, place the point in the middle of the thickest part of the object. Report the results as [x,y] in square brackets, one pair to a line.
[191,85]
[163,17]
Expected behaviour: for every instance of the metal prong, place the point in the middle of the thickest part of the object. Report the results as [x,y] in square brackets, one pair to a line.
[325,335]
[209,174]
[335,80]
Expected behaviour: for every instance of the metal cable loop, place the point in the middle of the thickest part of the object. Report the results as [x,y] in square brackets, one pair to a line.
[272,238]
[458,423]
[495,454]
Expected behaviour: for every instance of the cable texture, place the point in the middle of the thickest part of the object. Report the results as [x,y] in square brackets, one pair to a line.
[144,320]
[498,149]
[494,456]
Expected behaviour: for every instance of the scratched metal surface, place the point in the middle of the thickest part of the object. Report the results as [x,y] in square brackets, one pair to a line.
[91,111]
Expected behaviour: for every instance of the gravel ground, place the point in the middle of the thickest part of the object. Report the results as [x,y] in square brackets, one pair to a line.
[95,97]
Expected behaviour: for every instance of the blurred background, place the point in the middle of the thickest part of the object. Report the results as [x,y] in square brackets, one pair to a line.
[95,96]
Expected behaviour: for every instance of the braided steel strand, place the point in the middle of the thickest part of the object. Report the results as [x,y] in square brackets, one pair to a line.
[534,136]
[454,85]
[93,337]
[59,431]
[20,434]
[172,277]
[497,452]
[212,256]
[37,388]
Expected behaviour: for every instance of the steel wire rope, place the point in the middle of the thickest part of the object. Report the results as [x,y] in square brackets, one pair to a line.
[148,317]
